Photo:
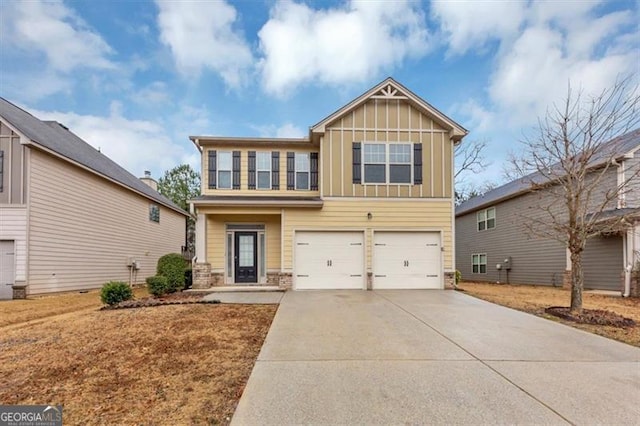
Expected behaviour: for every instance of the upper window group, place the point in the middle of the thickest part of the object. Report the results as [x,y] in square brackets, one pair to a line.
[387,163]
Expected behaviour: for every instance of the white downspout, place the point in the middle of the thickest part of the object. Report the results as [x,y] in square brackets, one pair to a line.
[628,261]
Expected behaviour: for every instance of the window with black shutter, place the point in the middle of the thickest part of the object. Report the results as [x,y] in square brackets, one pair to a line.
[252,169]
[314,171]
[263,170]
[291,170]
[236,169]
[275,170]
[212,170]
[357,163]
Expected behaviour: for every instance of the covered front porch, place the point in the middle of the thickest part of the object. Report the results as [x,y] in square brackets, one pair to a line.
[239,241]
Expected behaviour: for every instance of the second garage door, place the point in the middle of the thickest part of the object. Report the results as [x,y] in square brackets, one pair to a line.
[329,260]
[407,260]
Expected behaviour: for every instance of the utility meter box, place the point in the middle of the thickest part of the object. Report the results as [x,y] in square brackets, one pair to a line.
[507,263]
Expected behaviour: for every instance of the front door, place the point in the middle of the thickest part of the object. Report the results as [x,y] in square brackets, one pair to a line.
[246,257]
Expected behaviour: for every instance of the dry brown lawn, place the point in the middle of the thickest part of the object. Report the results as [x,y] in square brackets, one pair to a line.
[184,364]
[38,307]
[534,299]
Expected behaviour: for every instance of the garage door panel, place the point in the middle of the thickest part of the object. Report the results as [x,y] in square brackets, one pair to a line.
[403,260]
[329,260]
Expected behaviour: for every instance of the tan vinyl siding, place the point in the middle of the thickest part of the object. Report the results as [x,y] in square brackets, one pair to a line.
[244,172]
[13,226]
[83,228]
[387,215]
[216,234]
[391,121]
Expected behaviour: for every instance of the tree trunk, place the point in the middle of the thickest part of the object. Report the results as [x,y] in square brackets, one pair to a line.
[577,282]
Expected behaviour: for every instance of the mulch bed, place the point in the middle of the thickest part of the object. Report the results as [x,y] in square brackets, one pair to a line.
[591,316]
[168,299]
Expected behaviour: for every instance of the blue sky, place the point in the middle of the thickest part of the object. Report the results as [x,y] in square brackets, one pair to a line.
[136,78]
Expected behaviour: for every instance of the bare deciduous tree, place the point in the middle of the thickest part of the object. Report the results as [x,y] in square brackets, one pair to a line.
[575,147]
[469,157]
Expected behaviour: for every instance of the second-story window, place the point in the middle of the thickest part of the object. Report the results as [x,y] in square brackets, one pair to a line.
[224,169]
[400,163]
[486,219]
[263,166]
[302,171]
[375,159]
[387,163]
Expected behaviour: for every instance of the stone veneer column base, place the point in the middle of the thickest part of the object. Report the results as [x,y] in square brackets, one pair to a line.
[201,276]
[449,280]
[566,280]
[285,280]
[19,291]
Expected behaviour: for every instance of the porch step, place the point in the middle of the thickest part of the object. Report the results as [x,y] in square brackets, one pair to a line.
[239,289]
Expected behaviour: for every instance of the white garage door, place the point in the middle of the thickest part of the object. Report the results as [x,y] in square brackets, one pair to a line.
[406,260]
[329,260]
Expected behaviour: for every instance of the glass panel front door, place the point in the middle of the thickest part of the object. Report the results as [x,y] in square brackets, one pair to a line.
[246,256]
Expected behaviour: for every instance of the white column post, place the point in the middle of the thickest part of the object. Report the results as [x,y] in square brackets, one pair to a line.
[201,238]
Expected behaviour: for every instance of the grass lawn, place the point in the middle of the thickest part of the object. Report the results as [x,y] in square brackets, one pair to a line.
[184,364]
[534,299]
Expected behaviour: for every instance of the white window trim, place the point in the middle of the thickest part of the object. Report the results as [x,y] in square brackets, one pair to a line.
[218,170]
[258,170]
[296,171]
[479,263]
[387,163]
[486,219]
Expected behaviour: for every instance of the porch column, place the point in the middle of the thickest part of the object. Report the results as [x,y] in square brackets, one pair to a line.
[201,238]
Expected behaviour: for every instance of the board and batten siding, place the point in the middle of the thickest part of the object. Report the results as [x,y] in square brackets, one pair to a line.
[381,120]
[244,171]
[13,226]
[534,260]
[217,231]
[13,184]
[603,264]
[83,228]
[403,214]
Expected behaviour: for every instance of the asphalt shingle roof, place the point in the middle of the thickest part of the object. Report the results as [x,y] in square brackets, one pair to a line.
[57,138]
[618,147]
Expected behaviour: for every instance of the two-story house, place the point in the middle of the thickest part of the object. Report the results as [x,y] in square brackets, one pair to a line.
[493,243]
[364,201]
[71,218]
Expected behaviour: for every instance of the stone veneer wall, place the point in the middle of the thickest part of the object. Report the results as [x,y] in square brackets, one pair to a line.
[449,280]
[201,276]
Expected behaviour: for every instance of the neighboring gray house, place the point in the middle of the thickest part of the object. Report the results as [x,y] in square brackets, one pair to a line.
[71,218]
[493,245]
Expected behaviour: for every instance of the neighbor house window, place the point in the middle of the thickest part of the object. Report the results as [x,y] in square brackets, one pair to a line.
[302,171]
[387,163]
[263,169]
[154,213]
[486,219]
[479,263]
[224,170]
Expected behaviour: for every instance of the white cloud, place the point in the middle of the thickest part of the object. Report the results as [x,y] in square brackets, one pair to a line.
[55,31]
[553,43]
[154,94]
[202,35]
[288,130]
[136,145]
[339,45]
[467,25]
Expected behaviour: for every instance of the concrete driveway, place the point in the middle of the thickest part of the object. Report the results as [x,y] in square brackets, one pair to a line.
[433,357]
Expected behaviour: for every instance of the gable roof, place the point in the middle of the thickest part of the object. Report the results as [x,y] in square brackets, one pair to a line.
[391,89]
[618,147]
[55,137]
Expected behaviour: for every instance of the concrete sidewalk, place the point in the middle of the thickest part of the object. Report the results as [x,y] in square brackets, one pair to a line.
[433,357]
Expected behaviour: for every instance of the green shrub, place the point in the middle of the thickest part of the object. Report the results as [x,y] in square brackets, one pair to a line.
[458,277]
[115,292]
[172,267]
[157,285]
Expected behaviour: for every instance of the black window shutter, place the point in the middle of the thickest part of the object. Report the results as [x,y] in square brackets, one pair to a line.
[417,163]
[252,170]
[236,169]
[291,170]
[313,167]
[357,162]
[1,170]
[275,170]
[212,169]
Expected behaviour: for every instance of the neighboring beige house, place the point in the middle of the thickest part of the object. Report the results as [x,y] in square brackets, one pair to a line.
[364,201]
[489,230]
[70,218]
